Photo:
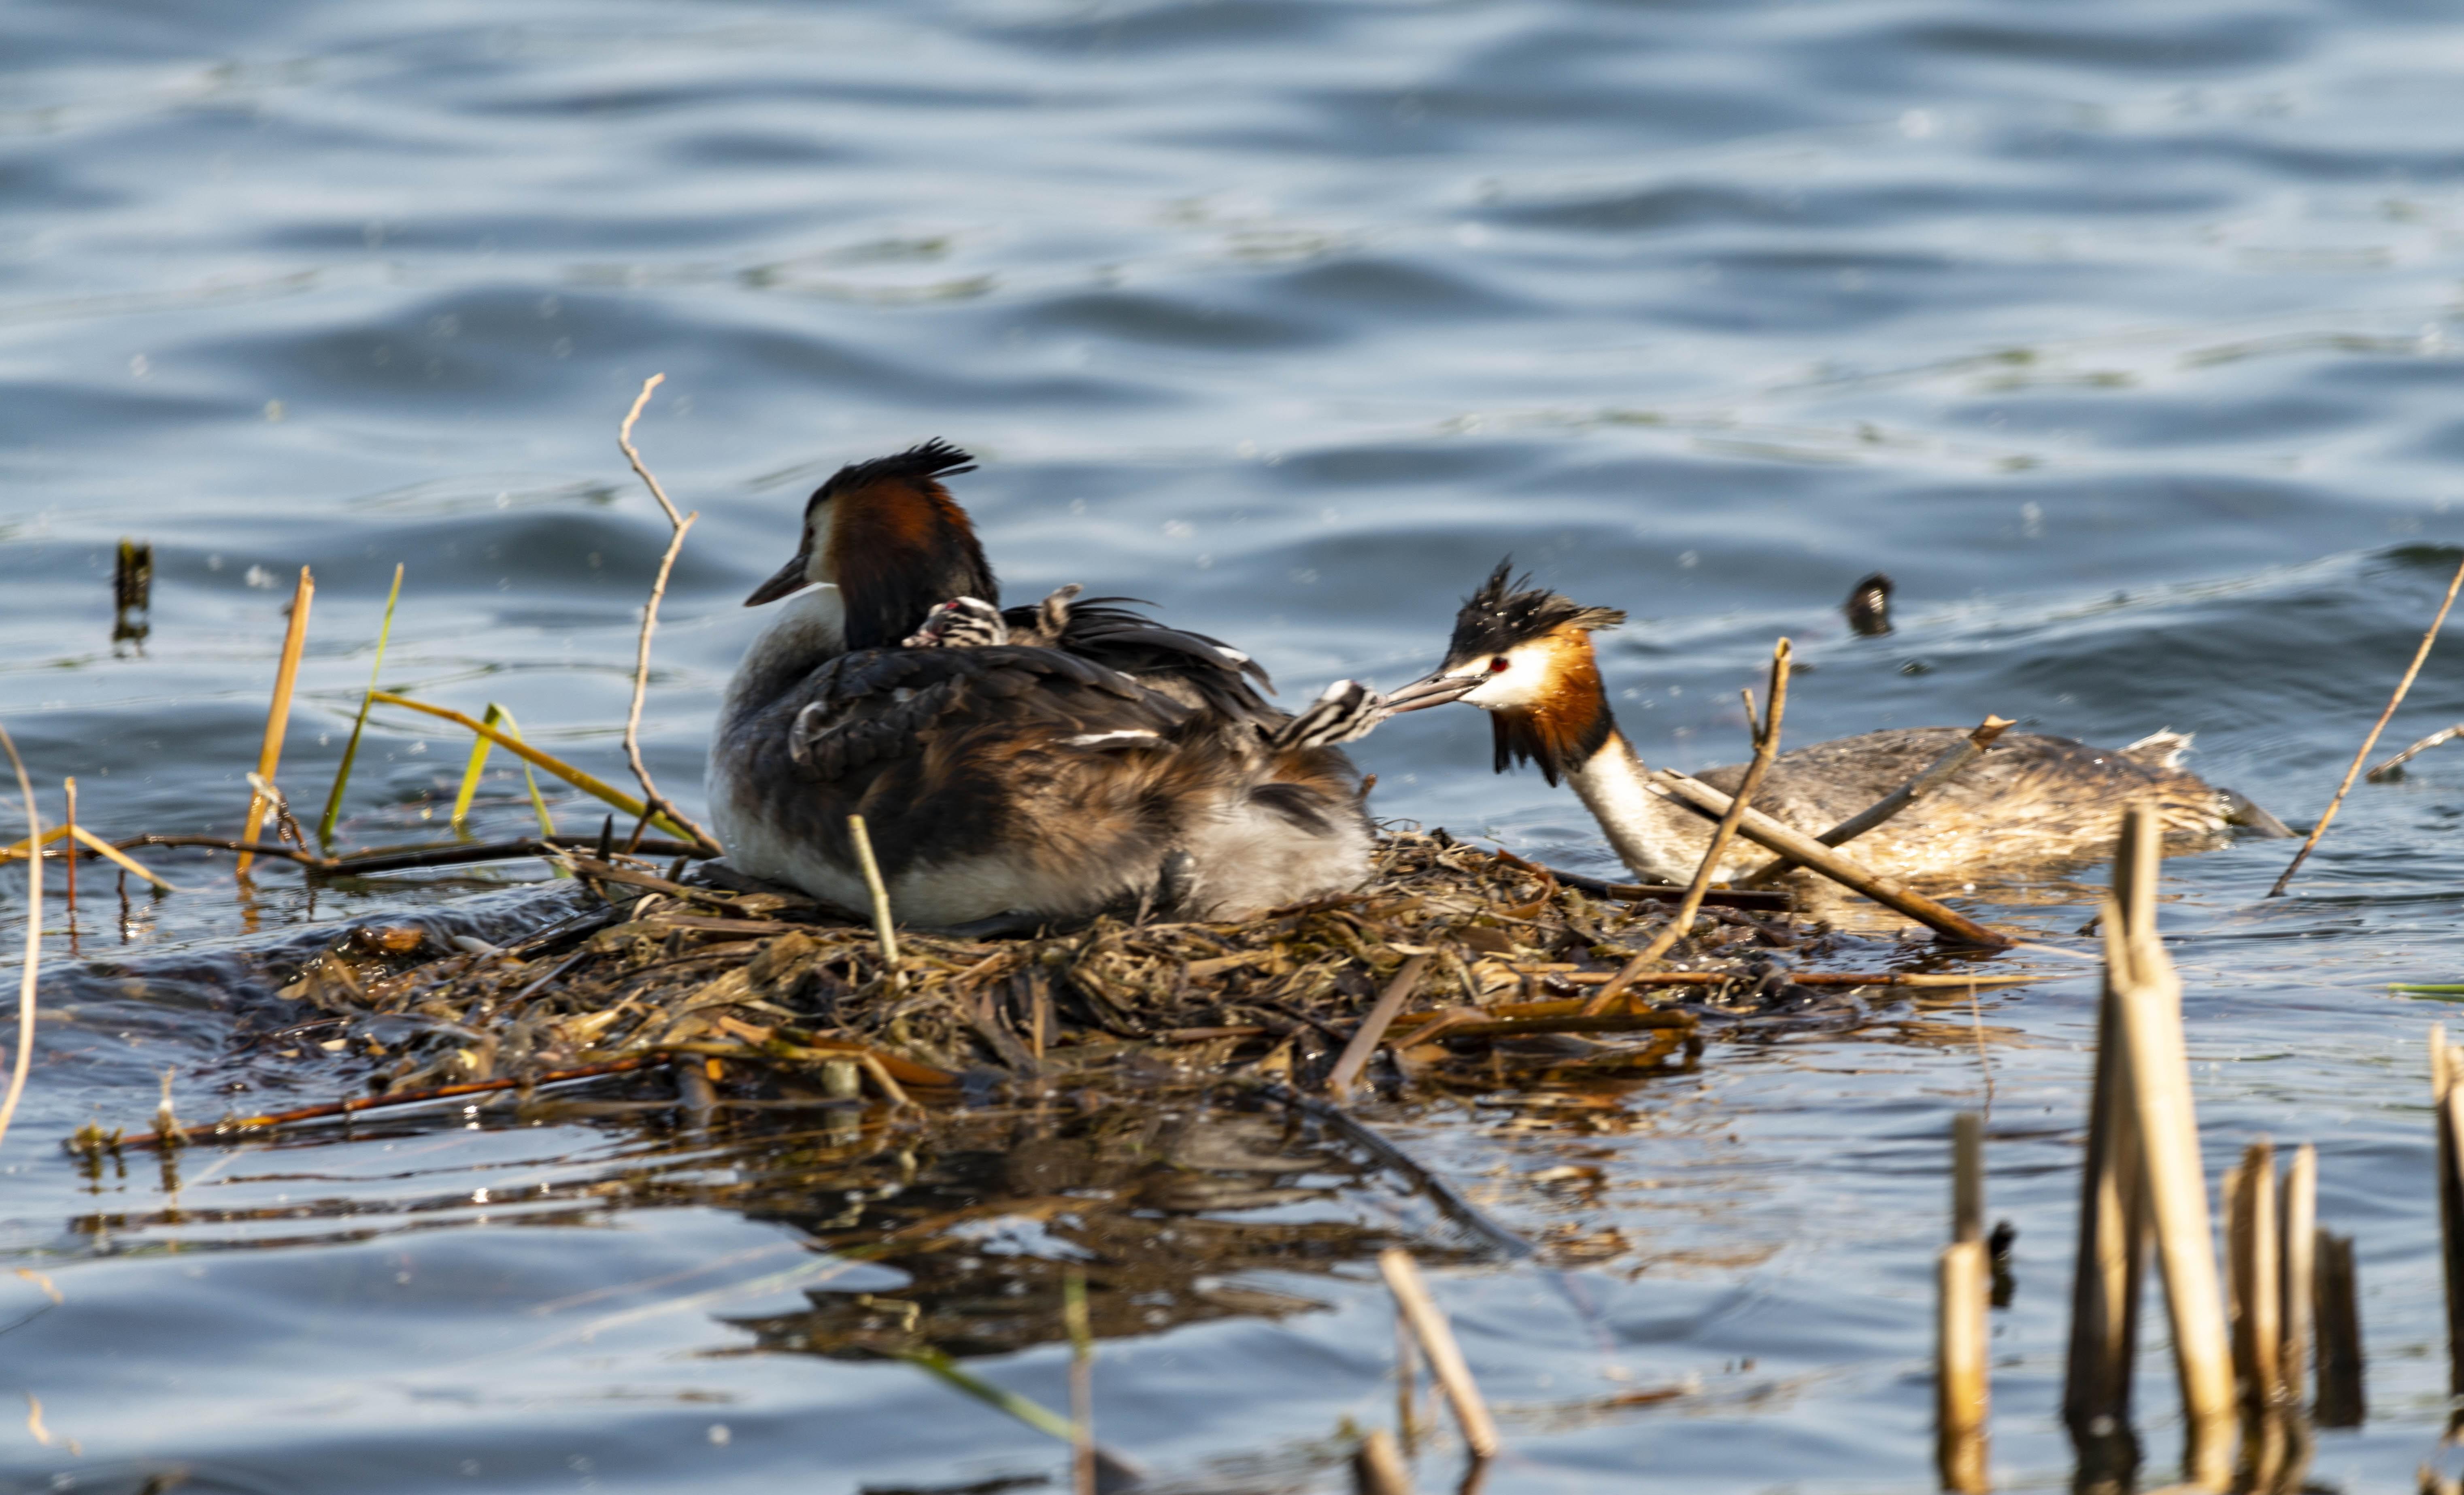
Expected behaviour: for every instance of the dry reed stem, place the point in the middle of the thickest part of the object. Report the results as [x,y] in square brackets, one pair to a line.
[1946,766]
[1725,834]
[33,941]
[2451,1166]
[882,925]
[2111,1262]
[1962,1392]
[2256,1276]
[2439,738]
[2149,996]
[207,1131]
[1968,1176]
[1377,1466]
[596,788]
[1373,1029]
[2354,771]
[113,854]
[679,525]
[2299,1250]
[333,815]
[1438,1343]
[1757,827]
[277,715]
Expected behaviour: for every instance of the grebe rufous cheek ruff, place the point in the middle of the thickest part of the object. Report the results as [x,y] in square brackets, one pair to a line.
[1016,767]
[1523,655]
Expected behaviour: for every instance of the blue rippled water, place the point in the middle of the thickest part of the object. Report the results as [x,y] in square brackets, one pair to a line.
[2125,338]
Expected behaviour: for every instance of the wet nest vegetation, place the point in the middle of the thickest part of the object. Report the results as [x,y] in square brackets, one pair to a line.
[1496,975]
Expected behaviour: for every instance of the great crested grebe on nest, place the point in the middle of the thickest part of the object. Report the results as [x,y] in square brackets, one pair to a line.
[1020,767]
[1523,655]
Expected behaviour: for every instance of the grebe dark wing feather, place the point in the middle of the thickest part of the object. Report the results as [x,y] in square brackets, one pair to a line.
[1192,668]
[872,705]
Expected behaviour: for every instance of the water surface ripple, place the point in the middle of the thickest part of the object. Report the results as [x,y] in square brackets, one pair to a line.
[2124,338]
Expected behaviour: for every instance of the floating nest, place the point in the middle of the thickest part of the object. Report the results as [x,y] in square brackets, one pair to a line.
[1506,976]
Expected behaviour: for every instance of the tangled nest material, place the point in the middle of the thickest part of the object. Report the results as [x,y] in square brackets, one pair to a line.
[793,1000]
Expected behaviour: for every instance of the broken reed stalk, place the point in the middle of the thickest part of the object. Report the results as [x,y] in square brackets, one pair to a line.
[2111,1264]
[2299,1252]
[1438,1343]
[277,715]
[880,891]
[34,940]
[1377,1466]
[2439,738]
[2447,1113]
[2340,1400]
[1968,1176]
[333,815]
[2353,772]
[1082,1381]
[1941,771]
[1962,1393]
[1761,829]
[2256,1276]
[2149,996]
[678,525]
[1725,834]
[1371,1031]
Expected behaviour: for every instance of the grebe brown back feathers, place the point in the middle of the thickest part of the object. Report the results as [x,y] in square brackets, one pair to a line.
[1016,767]
[1523,654]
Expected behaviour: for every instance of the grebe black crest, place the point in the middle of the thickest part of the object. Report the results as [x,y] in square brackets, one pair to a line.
[1523,654]
[1023,767]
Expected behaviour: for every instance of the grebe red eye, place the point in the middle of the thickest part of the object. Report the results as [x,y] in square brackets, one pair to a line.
[1496,664]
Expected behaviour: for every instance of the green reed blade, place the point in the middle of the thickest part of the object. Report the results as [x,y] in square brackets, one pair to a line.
[480,747]
[1033,1414]
[2413,989]
[571,775]
[351,749]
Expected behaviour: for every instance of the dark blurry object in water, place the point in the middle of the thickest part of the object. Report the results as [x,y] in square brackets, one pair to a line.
[1998,1248]
[1869,607]
[132,593]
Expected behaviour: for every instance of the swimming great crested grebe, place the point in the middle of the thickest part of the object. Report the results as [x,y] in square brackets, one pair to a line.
[1016,767]
[1523,655]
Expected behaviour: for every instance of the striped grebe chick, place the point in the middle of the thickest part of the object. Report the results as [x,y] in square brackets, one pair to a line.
[1523,655]
[1015,768]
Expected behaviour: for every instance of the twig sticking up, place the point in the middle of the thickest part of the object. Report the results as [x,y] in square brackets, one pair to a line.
[2439,738]
[2372,740]
[1766,748]
[2447,1110]
[681,523]
[34,940]
[277,715]
[2297,1223]
[1941,771]
[880,890]
[1438,1343]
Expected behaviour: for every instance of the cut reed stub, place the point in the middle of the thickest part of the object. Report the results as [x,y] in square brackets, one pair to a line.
[2340,1400]
[1962,1393]
[1378,1468]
